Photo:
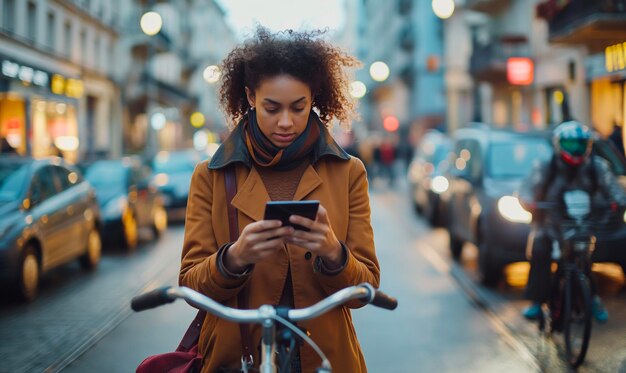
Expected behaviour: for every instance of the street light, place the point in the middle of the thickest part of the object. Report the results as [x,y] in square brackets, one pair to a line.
[212,74]
[358,89]
[158,121]
[443,8]
[379,71]
[151,23]
[197,119]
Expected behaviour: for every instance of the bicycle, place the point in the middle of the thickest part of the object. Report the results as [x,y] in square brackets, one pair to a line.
[569,306]
[268,316]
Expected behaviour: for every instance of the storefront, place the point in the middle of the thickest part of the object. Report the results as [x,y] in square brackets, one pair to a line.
[38,110]
[606,73]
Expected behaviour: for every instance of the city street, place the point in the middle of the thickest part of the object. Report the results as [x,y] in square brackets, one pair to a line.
[444,321]
[482,118]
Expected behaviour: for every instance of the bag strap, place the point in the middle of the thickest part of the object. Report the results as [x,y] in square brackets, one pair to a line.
[242,298]
[193,332]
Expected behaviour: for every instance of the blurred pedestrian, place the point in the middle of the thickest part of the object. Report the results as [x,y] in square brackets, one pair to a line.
[6,147]
[281,149]
[387,154]
[617,138]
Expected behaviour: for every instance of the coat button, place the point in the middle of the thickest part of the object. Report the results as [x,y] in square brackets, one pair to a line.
[308,255]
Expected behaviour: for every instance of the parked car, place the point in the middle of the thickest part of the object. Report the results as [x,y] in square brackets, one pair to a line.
[128,200]
[426,176]
[489,165]
[48,216]
[172,175]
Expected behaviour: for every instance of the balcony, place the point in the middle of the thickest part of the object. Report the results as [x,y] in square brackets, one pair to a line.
[595,24]
[487,6]
[488,62]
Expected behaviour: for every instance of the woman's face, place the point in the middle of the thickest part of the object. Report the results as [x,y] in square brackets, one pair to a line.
[282,104]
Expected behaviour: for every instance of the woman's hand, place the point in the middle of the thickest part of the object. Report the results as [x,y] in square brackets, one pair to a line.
[257,241]
[321,239]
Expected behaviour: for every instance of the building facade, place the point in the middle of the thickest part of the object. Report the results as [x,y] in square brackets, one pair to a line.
[575,50]
[57,94]
[163,74]
[599,28]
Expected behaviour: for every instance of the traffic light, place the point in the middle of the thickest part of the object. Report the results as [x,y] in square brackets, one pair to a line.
[391,123]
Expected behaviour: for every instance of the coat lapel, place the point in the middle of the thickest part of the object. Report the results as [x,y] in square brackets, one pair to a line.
[252,195]
[308,183]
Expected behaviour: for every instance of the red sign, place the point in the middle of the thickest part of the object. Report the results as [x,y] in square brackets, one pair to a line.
[391,123]
[520,70]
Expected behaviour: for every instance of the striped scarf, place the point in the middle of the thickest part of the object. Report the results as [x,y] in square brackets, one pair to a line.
[266,154]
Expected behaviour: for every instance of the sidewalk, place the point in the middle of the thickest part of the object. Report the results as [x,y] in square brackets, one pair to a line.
[134,339]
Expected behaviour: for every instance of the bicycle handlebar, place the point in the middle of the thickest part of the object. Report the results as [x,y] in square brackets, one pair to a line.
[364,292]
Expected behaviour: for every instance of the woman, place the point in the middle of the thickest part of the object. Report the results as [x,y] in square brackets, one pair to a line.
[281,150]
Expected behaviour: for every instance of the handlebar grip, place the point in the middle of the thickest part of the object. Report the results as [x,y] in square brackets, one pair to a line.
[385,301]
[151,299]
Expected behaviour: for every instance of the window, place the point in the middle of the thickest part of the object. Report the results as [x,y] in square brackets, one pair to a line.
[31,27]
[516,157]
[606,151]
[96,51]
[13,177]
[67,177]
[8,19]
[83,46]
[43,186]
[468,162]
[67,31]
[51,31]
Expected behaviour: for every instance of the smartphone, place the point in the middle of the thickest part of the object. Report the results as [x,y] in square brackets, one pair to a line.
[282,210]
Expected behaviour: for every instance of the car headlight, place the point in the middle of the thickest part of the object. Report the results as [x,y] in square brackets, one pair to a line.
[511,209]
[624,216]
[115,207]
[439,184]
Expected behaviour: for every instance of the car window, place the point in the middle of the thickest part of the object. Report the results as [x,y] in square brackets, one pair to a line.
[67,178]
[474,158]
[106,174]
[441,153]
[170,163]
[43,185]
[616,161]
[12,180]
[460,158]
[516,158]
[135,176]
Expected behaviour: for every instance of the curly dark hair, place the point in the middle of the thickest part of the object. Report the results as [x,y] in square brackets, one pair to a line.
[302,55]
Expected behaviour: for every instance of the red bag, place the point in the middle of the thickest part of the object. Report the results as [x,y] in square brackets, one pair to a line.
[186,358]
[173,362]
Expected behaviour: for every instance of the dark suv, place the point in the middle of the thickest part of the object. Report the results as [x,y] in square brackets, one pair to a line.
[489,165]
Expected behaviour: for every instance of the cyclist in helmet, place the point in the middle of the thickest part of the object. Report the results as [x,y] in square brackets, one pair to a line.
[572,167]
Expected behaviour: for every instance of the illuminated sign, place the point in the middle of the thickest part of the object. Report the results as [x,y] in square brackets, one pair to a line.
[615,57]
[58,84]
[26,74]
[61,85]
[519,70]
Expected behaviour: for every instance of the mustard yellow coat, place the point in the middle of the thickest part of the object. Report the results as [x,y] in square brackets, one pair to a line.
[341,187]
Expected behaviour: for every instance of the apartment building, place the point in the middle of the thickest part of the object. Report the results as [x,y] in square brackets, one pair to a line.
[56,88]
